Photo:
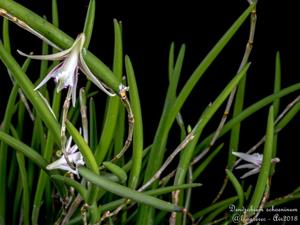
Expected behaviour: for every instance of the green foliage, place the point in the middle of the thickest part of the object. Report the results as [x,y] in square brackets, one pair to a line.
[116,189]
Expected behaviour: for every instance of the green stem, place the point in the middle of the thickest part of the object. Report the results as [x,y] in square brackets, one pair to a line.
[3,149]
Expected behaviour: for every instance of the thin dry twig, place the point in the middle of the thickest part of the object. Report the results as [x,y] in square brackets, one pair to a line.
[75,204]
[246,55]
[175,197]
[83,212]
[83,112]
[245,219]
[130,117]
[25,26]
[281,115]
[247,52]
[188,194]
[63,137]
[181,146]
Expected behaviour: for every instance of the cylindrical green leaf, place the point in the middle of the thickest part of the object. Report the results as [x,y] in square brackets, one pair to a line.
[138,140]
[28,89]
[89,23]
[116,170]
[237,186]
[25,149]
[83,192]
[248,112]
[263,176]
[126,192]
[113,104]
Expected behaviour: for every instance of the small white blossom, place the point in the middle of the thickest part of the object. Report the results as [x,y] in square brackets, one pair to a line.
[255,161]
[66,72]
[75,157]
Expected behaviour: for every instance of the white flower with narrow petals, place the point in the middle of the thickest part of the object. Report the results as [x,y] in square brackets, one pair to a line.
[66,72]
[74,157]
[255,161]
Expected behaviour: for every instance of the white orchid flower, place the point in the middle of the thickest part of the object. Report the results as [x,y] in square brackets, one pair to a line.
[255,161]
[66,72]
[74,157]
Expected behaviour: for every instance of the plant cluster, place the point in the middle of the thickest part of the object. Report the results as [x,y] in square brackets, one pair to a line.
[72,171]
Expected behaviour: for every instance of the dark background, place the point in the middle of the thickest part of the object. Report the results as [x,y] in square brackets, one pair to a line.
[149,28]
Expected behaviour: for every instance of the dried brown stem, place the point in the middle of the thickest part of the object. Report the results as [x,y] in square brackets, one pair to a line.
[229,103]
[130,117]
[25,26]
[246,55]
[180,147]
[63,126]
[282,114]
[75,204]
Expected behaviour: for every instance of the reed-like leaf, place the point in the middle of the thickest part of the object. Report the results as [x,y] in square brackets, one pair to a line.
[159,143]
[9,112]
[126,192]
[263,176]
[73,183]
[42,181]
[138,140]
[237,186]
[277,83]
[89,23]
[202,122]
[225,202]
[248,112]
[113,104]
[116,170]
[55,17]
[26,85]
[93,134]
[25,185]
[155,192]
[5,35]
[25,149]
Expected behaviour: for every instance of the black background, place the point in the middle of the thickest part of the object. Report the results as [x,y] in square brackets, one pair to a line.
[149,28]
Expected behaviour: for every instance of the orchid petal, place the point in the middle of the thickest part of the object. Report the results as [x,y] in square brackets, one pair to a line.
[73,149]
[91,76]
[56,164]
[246,166]
[49,75]
[254,158]
[66,167]
[251,172]
[56,56]
[68,146]
[75,157]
